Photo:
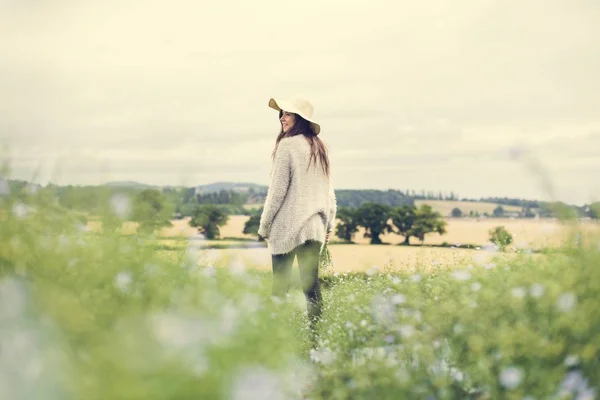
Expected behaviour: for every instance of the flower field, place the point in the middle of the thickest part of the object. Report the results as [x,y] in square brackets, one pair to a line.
[107,316]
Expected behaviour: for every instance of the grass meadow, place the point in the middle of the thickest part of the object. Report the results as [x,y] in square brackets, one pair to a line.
[95,314]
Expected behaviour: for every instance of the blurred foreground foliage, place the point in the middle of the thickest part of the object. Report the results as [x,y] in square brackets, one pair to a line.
[96,316]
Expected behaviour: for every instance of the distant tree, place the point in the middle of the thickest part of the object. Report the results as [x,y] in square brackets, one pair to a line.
[150,210]
[374,218]
[456,212]
[526,212]
[224,197]
[500,236]
[558,209]
[188,195]
[403,219]
[348,226]
[208,218]
[594,210]
[427,221]
[251,226]
[356,198]
[498,212]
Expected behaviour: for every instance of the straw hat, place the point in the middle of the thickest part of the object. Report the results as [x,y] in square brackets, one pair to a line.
[299,106]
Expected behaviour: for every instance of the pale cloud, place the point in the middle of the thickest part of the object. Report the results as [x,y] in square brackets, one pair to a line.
[415,95]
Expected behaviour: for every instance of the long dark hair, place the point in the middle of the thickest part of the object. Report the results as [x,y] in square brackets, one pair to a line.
[317,147]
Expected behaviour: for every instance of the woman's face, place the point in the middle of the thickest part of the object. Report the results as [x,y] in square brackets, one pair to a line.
[288,120]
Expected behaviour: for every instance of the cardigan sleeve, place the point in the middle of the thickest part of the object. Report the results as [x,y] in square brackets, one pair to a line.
[280,181]
[332,210]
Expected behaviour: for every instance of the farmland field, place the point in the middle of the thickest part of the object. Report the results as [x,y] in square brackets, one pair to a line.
[362,258]
[528,234]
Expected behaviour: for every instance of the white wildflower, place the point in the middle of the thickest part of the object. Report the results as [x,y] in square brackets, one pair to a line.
[257,383]
[416,278]
[251,302]
[374,270]
[237,267]
[587,394]
[20,210]
[230,317]
[123,281]
[457,374]
[571,360]
[518,292]
[575,382]
[475,286]
[209,271]
[323,356]
[566,302]
[398,299]
[461,275]
[511,377]
[81,227]
[406,330]
[383,311]
[536,290]
[491,248]
[121,205]
[417,315]
[180,333]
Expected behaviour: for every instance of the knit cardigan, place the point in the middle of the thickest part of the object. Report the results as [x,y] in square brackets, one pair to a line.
[300,203]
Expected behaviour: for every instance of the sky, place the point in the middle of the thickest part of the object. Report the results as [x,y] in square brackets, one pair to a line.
[479,97]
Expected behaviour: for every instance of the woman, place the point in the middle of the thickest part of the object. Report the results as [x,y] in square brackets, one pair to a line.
[300,207]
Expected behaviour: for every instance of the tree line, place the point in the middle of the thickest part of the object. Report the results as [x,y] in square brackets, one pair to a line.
[378,219]
[178,202]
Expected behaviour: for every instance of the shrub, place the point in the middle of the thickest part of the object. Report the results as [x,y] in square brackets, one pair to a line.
[500,237]
[457,212]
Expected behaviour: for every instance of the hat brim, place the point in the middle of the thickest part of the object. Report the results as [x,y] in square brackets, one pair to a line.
[281,105]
